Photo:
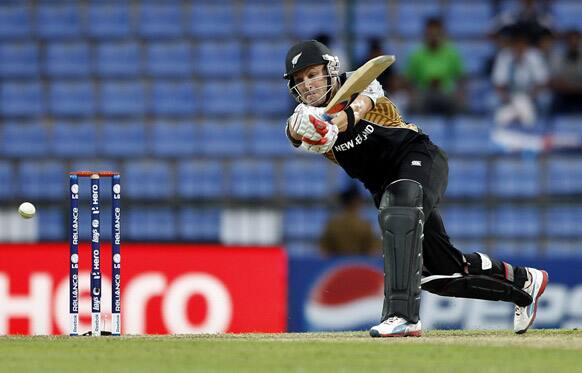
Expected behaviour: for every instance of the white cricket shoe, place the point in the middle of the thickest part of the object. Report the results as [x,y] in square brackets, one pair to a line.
[525,316]
[396,327]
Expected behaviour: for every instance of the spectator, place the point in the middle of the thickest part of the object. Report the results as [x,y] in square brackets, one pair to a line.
[532,17]
[359,239]
[375,49]
[389,79]
[520,76]
[546,46]
[566,76]
[434,71]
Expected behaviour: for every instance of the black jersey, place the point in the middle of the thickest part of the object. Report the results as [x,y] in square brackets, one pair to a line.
[371,150]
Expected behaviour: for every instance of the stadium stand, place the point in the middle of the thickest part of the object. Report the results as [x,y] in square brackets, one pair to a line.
[188,101]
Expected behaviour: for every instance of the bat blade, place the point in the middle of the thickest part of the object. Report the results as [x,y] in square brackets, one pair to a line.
[359,80]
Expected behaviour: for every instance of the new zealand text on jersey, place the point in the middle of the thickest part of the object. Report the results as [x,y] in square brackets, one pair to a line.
[360,138]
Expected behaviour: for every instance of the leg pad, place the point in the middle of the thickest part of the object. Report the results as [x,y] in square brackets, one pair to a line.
[476,287]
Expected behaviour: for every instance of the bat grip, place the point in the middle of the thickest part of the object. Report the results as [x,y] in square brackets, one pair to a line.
[326,117]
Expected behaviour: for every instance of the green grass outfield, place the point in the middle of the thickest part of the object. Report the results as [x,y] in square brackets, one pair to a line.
[548,351]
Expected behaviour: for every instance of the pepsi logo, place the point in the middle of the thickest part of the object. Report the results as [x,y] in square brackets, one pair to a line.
[346,297]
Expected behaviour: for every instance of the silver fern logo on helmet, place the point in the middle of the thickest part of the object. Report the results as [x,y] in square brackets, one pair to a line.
[295,59]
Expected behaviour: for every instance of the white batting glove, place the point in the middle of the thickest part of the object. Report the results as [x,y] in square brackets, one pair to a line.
[300,124]
[329,134]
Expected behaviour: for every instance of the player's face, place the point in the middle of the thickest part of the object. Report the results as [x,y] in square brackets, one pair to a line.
[312,84]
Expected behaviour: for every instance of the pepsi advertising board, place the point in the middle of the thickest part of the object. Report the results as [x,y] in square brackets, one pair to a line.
[334,294]
[347,294]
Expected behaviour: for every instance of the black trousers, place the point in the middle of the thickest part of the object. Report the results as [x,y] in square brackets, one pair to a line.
[428,165]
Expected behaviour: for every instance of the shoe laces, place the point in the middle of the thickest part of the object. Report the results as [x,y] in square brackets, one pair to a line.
[392,320]
[517,311]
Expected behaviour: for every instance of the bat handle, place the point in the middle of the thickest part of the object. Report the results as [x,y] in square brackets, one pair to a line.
[326,117]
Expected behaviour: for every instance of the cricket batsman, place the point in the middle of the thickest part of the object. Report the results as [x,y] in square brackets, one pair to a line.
[407,176]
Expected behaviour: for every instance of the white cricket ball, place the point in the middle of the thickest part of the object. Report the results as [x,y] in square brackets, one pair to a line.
[27,210]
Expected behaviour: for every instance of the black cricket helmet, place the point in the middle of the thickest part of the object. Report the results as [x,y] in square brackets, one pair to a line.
[309,53]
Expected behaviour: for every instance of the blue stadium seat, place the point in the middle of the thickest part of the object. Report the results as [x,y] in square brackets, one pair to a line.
[304,223]
[563,221]
[361,49]
[516,248]
[514,221]
[162,20]
[72,98]
[68,59]
[270,98]
[302,248]
[467,178]
[58,21]
[169,59]
[474,54]
[306,179]
[311,17]
[41,180]
[411,16]
[252,179]
[568,13]
[516,177]
[263,19]
[15,21]
[564,175]
[341,181]
[118,59]
[150,224]
[466,221]
[224,98]
[6,180]
[478,95]
[109,20]
[468,19]
[220,139]
[219,59]
[568,126]
[265,59]
[470,244]
[122,139]
[471,136]
[201,179]
[18,60]
[403,50]
[439,131]
[74,139]
[148,180]
[22,140]
[267,138]
[370,19]
[174,139]
[508,6]
[120,98]
[200,225]
[212,20]
[564,249]
[171,98]
[50,224]
[21,99]
[370,213]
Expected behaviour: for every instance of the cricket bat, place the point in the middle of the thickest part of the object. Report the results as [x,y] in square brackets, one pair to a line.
[358,81]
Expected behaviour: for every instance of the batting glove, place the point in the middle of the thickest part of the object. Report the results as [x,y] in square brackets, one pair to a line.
[300,124]
[329,133]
